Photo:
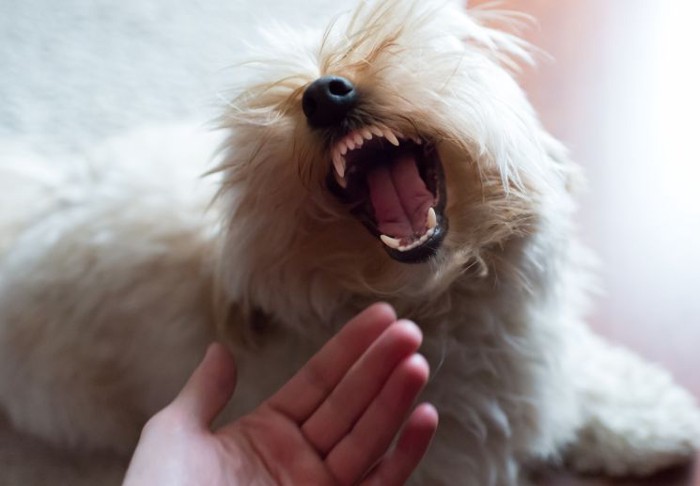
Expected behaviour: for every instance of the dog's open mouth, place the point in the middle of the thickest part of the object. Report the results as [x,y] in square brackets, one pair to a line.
[395,186]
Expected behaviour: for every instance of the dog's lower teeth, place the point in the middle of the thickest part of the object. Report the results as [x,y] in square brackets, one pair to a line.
[432,219]
[390,242]
[395,243]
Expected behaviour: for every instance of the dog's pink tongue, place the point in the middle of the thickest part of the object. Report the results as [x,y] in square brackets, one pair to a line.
[399,197]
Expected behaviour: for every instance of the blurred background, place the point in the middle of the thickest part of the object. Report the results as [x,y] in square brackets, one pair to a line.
[621,89]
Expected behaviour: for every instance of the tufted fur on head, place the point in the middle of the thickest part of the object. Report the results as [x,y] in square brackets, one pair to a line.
[422,69]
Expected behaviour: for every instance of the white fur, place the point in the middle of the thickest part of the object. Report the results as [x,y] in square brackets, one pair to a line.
[115,273]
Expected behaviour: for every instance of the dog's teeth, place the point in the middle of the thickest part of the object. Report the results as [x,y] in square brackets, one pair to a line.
[350,144]
[389,135]
[390,242]
[339,163]
[341,181]
[396,245]
[417,140]
[432,219]
[367,134]
[342,148]
[358,139]
[377,131]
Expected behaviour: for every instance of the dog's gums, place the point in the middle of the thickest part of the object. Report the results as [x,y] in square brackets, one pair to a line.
[394,184]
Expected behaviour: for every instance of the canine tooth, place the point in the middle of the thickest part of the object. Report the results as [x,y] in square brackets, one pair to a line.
[339,163]
[390,242]
[367,134]
[432,219]
[389,135]
[341,181]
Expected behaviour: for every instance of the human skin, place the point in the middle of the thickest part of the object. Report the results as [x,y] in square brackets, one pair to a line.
[334,422]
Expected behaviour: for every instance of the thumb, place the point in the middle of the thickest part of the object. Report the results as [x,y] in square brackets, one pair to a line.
[210,387]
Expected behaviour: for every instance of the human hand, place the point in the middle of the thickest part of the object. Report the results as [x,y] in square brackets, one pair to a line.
[332,423]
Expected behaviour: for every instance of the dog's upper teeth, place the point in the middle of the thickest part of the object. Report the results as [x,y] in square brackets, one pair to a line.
[339,164]
[389,135]
[356,139]
[432,219]
[390,242]
[341,181]
[377,131]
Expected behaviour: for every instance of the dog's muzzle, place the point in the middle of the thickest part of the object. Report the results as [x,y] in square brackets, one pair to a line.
[392,181]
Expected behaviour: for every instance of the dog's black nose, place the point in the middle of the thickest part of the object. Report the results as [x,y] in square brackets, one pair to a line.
[327,101]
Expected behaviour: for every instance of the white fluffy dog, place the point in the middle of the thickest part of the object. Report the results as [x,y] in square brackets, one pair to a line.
[391,157]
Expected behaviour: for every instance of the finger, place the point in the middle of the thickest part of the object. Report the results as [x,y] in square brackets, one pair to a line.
[337,414]
[209,388]
[372,435]
[413,442]
[306,390]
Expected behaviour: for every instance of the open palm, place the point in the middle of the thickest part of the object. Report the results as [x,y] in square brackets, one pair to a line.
[333,423]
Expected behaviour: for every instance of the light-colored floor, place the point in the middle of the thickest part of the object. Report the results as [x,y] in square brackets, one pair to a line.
[623,92]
